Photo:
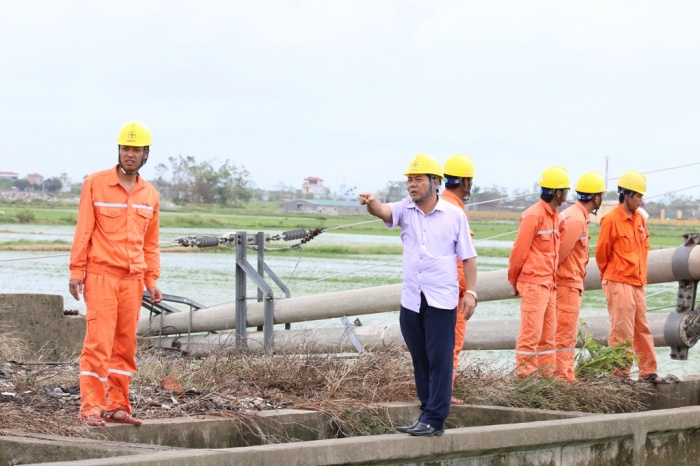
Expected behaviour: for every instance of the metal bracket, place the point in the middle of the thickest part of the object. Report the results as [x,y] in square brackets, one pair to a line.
[351,334]
[241,241]
[682,330]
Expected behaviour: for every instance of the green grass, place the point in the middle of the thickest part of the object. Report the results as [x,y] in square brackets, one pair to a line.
[268,217]
[25,245]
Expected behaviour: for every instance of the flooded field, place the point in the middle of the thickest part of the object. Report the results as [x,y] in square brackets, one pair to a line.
[209,277]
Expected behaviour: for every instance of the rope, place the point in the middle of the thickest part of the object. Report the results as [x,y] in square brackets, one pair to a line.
[346,273]
[667,290]
[162,245]
[378,265]
[33,258]
[353,224]
[671,192]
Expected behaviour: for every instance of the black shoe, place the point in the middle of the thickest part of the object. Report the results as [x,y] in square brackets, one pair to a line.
[405,429]
[426,430]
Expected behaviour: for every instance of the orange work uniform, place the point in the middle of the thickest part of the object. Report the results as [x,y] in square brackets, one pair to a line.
[115,251]
[570,276]
[531,266]
[461,323]
[621,253]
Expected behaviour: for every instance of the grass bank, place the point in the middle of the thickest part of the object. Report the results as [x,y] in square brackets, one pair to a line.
[268,217]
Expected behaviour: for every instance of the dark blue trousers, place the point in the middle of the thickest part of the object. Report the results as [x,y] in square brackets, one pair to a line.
[430,337]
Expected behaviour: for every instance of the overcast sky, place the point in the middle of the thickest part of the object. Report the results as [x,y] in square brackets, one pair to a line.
[350,91]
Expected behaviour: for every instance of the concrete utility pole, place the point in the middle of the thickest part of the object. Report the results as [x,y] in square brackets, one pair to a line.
[607,158]
[481,335]
[492,285]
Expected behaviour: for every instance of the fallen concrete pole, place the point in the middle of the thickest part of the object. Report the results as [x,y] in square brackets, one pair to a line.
[491,285]
[481,335]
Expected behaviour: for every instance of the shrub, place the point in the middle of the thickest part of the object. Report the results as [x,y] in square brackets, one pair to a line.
[25,216]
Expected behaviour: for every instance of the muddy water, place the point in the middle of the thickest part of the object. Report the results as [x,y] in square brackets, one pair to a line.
[208,278]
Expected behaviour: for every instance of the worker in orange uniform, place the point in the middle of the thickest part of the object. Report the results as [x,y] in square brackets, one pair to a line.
[115,254]
[571,272]
[621,253]
[459,173]
[532,264]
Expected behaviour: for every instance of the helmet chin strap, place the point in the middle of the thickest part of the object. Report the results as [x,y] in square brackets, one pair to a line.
[146,150]
[432,188]
[559,201]
[126,172]
[468,192]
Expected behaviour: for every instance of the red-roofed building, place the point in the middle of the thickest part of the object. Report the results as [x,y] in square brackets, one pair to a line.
[35,178]
[314,185]
[9,176]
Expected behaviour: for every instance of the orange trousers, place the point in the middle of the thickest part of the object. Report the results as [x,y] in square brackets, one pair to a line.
[627,309]
[568,310]
[535,348]
[460,330]
[108,359]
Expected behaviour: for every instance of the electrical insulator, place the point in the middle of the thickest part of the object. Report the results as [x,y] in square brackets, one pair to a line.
[207,241]
[293,234]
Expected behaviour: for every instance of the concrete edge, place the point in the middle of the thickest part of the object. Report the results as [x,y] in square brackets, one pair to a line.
[463,442]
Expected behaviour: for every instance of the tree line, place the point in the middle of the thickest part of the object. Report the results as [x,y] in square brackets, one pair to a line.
[184,180]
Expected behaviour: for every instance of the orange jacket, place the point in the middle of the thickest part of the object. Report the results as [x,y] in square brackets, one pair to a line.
[623,247]
[117,232]
[452,198]
[573,246]
[535,252]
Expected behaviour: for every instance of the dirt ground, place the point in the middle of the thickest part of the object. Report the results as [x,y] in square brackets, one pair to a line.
[46,399]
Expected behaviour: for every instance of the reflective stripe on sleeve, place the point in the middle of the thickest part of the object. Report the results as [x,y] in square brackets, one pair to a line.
[109,204]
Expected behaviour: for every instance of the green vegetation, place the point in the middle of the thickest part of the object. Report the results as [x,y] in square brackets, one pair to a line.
[594,360]
[268,217]
[24,245]
[25,216]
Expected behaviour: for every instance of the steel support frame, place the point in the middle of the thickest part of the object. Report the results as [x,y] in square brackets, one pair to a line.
[265,294]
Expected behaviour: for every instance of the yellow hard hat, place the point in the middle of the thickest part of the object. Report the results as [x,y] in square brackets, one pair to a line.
[591,183]
[634,181]
[459,166]
[555,178]
[424,164]
[134,134]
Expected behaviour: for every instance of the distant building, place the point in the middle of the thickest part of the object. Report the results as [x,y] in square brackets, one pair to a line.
[65,183]
[9,176]
[314,186]
[35,178]
[307,206]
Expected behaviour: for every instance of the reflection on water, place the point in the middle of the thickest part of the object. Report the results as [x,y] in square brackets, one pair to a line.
[209,279]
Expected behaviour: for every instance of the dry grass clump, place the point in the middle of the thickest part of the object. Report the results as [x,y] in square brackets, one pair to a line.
[342,386]
[480,384]
[45,399]
[12,347]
